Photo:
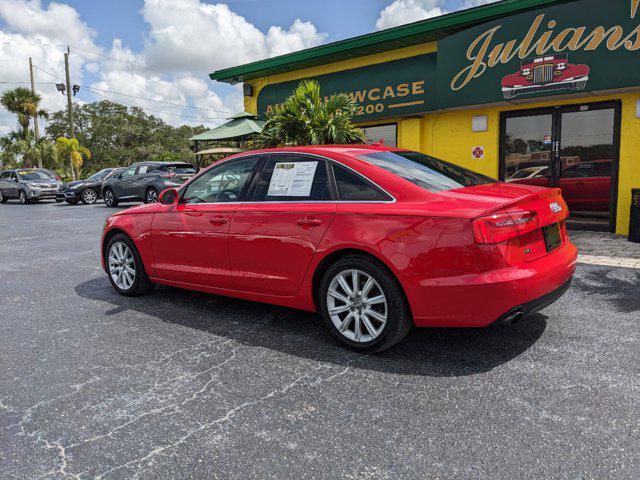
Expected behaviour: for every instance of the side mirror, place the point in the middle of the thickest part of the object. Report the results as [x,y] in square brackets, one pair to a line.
[170,196]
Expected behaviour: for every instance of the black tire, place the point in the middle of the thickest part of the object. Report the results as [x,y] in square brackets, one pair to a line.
[398,322]
[59,200]
[89,196]
[72,202]
[151,195]
[22,197]
[3,199]
[141,283]
[109,197]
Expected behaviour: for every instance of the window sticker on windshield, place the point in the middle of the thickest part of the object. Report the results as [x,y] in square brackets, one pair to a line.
[292,179]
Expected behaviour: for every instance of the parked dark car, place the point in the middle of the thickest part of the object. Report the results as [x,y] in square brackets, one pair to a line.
[144,181]
[88,190]
[27,185]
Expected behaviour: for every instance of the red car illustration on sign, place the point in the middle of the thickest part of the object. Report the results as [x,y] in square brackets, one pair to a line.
[552,72]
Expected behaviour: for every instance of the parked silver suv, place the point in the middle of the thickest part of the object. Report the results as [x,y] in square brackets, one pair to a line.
[27,185]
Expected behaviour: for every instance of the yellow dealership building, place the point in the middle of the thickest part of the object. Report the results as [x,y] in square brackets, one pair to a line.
[543,92]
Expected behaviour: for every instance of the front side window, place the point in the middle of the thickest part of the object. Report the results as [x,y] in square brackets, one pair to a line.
[352,187]
[293,178]
[221,184]
[430,173]
[129,172]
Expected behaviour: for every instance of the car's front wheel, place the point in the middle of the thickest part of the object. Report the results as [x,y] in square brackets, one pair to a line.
[22,197]
[125,268]
[89,196]
[110,199]
[363,305]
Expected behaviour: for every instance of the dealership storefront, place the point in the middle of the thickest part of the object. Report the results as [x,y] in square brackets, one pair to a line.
[545,92]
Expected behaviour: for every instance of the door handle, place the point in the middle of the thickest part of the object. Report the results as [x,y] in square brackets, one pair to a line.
[218,221]
[309,221]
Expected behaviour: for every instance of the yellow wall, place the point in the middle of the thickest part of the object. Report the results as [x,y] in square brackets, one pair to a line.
[448,134]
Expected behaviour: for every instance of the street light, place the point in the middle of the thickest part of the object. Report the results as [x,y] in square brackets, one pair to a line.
[75,89]
[60,87]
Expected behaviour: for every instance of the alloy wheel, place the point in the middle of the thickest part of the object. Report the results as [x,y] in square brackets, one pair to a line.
[22,197]
[1,196]
[108,198]
[122,267]
[152,196]
[89,196]
[357,305]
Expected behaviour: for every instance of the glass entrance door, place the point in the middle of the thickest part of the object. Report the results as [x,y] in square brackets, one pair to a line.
[574,148]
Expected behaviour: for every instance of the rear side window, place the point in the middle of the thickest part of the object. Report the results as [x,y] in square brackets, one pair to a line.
[427,172]
[352,187]
[293,178]
[181,169]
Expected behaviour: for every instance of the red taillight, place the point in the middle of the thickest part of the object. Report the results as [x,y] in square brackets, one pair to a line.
[503,226]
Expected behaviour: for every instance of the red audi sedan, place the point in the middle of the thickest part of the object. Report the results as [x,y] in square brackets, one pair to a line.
[375,239]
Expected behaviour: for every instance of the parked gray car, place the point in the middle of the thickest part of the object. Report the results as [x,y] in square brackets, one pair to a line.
[144,181]
[27,185]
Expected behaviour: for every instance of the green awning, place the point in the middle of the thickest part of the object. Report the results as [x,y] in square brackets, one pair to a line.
[240,125]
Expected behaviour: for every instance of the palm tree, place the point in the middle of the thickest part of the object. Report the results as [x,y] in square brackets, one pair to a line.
[306,118]
[25,104]
[71,148]
[28,151]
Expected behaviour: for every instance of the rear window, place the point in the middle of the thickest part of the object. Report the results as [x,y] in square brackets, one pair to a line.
[427,172]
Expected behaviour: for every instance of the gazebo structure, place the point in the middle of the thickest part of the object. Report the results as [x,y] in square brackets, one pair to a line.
[234,136]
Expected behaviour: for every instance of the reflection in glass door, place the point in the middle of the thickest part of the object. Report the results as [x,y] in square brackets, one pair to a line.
[587,150]
[528,149]
[574,148]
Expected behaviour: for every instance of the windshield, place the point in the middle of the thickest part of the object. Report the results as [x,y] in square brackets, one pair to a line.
[181,169]
[33,175]
[100,175]
[427,172]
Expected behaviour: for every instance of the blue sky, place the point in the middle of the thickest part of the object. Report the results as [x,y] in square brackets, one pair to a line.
[156,54]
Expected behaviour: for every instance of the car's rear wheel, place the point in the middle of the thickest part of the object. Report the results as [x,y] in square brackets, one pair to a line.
[89,196]
[110,199]
[125,268]
[151,195]
[22,197]
[363,305]
[3,199]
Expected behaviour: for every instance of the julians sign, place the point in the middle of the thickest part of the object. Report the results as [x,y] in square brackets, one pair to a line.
[399,87]
[580,45]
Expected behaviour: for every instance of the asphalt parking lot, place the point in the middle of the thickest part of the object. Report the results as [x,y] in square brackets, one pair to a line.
[185,385]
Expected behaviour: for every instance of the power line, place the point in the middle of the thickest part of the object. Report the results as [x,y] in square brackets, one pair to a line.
[93,89]
[159,111]
[37,83]
[157,101]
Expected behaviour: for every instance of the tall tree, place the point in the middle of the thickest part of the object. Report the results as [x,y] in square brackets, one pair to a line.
[306,118]
[28,152]
[25,104]
[71,148]
[119,136]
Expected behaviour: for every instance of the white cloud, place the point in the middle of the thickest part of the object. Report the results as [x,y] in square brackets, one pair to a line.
[193,36]
[406,11]
[187,39]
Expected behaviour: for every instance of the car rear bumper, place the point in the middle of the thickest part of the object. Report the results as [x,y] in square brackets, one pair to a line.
[480,300]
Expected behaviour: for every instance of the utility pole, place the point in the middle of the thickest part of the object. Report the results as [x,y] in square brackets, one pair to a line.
[70,108]
[36,130]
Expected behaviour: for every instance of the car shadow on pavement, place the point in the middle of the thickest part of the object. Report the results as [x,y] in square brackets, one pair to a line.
[425,351]
[622,293]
